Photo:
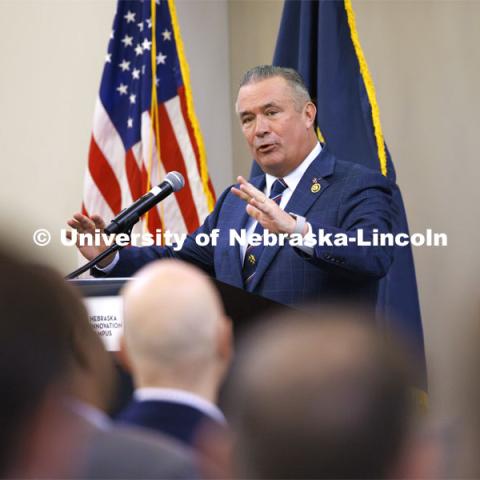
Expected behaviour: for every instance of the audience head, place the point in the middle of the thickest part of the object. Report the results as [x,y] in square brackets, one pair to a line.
[324,397]
[176,331]
[37,311]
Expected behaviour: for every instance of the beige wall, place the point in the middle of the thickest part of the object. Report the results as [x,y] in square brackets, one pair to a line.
[253,31]
[51,56]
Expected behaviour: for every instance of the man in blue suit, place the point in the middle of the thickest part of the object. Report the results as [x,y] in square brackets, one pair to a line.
[177,343]
[304,191]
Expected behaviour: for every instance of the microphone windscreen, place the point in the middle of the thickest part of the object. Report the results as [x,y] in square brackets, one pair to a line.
[176,180]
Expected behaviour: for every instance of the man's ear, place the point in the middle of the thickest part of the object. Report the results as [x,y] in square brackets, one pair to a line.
[310,112]
[122,356]
[225,340]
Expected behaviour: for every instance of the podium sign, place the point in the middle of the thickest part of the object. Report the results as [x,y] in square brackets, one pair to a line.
[106,317]
[105,308]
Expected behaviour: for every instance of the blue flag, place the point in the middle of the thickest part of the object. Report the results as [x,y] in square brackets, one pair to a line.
[318,38]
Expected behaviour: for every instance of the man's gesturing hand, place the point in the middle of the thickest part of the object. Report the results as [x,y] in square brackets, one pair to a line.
[83,224]
[264,209]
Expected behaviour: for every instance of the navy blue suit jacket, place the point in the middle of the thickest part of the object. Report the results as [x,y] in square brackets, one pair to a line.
[351,197]
[170,418]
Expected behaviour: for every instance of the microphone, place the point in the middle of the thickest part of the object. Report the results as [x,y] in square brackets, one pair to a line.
[129,216]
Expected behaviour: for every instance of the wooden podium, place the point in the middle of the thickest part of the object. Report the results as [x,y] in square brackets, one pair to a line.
[104,305]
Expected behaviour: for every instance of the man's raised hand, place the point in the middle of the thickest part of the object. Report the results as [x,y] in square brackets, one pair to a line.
[90,225]
[264,209]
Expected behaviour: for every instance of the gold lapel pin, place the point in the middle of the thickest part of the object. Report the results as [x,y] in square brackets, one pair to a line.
[315,186]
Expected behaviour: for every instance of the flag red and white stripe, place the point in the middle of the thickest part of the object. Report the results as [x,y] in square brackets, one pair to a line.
[116,176]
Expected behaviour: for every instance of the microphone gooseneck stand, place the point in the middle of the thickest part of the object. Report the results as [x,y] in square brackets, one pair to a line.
[115,247]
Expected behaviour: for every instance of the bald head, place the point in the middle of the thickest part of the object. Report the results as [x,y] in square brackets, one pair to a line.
[174,322]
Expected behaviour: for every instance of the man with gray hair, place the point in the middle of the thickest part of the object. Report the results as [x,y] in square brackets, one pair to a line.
[305,198]
[177,344]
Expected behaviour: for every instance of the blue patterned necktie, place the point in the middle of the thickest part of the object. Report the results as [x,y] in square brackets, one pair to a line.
[252,254]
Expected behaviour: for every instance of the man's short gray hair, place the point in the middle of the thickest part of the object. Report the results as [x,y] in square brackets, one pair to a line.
[292,77]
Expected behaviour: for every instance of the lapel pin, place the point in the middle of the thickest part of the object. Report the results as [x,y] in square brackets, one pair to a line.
[315,186]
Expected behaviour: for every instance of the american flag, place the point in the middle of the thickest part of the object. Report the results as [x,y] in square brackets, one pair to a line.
[140,133]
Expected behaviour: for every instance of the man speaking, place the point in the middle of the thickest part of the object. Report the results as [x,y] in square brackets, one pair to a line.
[304,191]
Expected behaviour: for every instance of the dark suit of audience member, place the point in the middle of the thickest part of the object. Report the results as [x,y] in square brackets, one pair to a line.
[110,451]
[177,342]
[180,417]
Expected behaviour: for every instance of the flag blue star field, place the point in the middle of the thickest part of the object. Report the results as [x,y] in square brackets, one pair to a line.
[144,122]
[319,39]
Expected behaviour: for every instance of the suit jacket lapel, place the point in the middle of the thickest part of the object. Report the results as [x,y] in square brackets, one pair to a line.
[303,197]
[300,202]
[240,218]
